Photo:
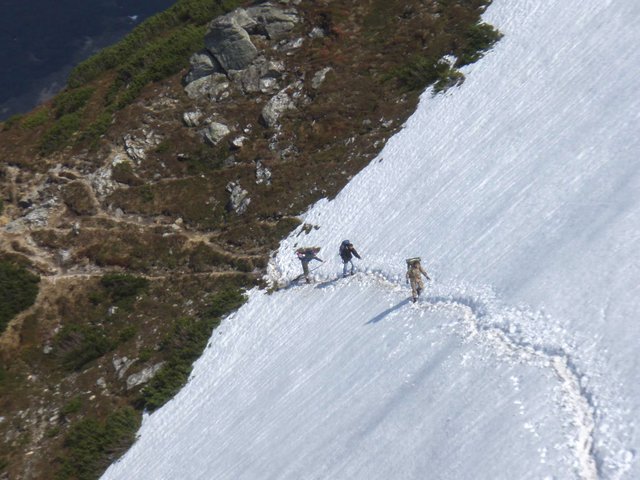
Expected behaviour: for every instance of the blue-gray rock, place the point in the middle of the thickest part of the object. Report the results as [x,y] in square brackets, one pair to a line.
[202,65]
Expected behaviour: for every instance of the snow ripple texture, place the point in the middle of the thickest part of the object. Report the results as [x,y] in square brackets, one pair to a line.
[520,189]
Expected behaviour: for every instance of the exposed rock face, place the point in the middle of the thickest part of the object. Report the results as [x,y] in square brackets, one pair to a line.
[239,199]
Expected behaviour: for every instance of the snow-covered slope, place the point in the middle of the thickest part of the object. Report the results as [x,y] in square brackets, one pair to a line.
[521,191]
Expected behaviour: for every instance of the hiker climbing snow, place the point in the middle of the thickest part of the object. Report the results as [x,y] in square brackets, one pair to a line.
[414,276]
[347,252]
[305,255]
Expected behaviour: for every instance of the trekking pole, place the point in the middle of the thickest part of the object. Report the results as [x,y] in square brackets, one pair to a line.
[314,269]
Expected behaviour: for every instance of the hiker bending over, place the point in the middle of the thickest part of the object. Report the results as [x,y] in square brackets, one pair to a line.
[347,252]
[305,255]
[414,272]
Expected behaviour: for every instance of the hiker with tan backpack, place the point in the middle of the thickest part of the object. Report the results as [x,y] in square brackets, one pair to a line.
[414,277]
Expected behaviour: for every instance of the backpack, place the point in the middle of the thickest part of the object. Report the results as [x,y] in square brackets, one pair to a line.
[307,250]
[344,246]
[412,260]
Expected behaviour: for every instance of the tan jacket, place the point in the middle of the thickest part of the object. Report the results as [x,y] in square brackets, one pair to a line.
[414,271]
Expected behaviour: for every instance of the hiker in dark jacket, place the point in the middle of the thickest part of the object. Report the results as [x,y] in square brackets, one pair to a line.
[347,252]
[305,255]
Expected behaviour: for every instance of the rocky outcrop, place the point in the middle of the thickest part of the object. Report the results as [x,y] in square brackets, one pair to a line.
[229,48]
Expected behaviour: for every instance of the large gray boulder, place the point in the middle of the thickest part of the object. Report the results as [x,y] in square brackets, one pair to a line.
[229,43]
[202,65]
[212,87]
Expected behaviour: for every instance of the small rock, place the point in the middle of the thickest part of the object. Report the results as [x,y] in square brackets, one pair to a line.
[215,132]
[238,142]
[317,32]
[319,77]
[275,107]
[239,199]
[263,174]
[143,376]
[192,119]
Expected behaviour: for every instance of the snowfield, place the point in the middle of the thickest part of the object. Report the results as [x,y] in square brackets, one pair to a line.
[521,192]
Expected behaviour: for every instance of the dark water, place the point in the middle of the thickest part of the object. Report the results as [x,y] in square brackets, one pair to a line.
[41,40]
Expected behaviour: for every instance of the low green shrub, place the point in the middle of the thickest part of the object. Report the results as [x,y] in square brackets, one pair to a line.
[71,101]
[98,128]
[91,445]
[81,344]
[18,291]
[155,61]
[60,133]
[122,287]
[420,72]
[35,119]
[72,406]
[479,38]
[12,121]
[183,345]
[123,173]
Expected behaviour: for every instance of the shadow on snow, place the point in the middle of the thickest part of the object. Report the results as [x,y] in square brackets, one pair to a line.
[389,310]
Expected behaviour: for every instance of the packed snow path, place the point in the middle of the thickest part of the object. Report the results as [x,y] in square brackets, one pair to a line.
[520,189]
[360,383]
